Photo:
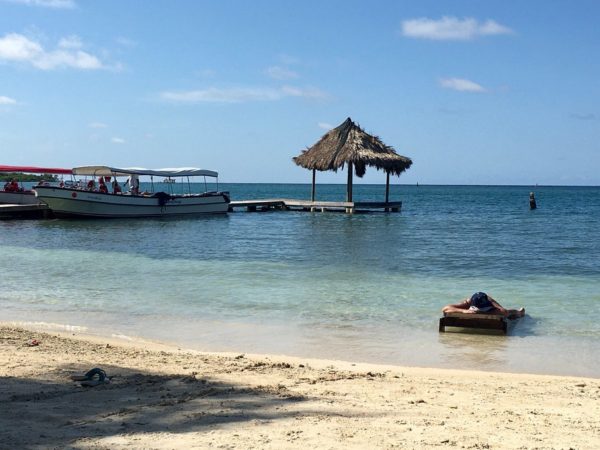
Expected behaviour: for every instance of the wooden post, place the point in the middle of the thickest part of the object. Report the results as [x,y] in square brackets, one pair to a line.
[349,186]
[387,190]
[312,192]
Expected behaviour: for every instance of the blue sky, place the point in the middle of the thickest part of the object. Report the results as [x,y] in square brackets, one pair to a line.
[494,92]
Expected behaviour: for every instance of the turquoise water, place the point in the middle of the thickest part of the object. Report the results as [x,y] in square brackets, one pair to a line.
[364,287]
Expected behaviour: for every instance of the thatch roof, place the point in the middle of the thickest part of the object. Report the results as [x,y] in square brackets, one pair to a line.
[349,143]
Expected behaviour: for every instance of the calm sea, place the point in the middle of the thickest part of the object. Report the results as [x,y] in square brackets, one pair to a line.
[364,287]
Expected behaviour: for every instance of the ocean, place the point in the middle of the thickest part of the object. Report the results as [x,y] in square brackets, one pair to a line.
[362,287]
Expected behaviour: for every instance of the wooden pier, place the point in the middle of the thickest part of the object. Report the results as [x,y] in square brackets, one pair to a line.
[34,211]
[41,211]
[285,204]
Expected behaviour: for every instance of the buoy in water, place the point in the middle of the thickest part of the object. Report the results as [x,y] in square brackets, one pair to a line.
[532,204]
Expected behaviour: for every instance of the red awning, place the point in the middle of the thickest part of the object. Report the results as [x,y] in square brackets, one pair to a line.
[31,169]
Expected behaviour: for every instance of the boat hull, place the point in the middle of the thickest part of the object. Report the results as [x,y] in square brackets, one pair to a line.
[66,202]
[18,198]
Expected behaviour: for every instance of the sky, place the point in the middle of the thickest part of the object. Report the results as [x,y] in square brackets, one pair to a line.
[474,92]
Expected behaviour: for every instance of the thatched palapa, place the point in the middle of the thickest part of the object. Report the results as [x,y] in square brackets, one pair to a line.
[348,144]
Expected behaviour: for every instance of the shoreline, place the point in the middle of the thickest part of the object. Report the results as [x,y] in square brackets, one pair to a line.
[457,350]
[164,397]
[450,350]
[79,333]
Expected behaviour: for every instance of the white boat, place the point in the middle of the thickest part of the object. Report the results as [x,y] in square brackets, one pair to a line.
[74,201]
[25,197]
[15,193]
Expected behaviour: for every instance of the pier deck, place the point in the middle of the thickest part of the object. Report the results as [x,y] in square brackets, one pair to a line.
[41,211]
[321,206]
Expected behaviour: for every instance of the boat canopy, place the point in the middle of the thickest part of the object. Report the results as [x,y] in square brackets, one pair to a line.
[32,169]
[105,171]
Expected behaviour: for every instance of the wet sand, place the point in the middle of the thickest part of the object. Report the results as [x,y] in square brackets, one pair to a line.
[165,397]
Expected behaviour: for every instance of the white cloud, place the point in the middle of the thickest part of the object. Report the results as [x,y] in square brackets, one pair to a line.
[451,28]
[18,48]
[58,4]
[239,95]
[308,92]
[117,140]
[325,126]
[97,125]
[7,100]
[70,42]
[216,95]
[281,73]
[460,84]
[61,58]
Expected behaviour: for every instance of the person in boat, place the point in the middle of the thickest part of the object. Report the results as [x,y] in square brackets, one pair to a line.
[91,185]
[116,186]
[102,186]
[481,303]
[134,184]
[12,186]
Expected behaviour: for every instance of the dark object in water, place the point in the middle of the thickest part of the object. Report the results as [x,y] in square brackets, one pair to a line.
[532,204]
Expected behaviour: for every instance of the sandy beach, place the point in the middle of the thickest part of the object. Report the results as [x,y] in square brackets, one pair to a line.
[164,397]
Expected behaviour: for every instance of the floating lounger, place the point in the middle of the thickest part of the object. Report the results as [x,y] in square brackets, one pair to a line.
[480,321]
